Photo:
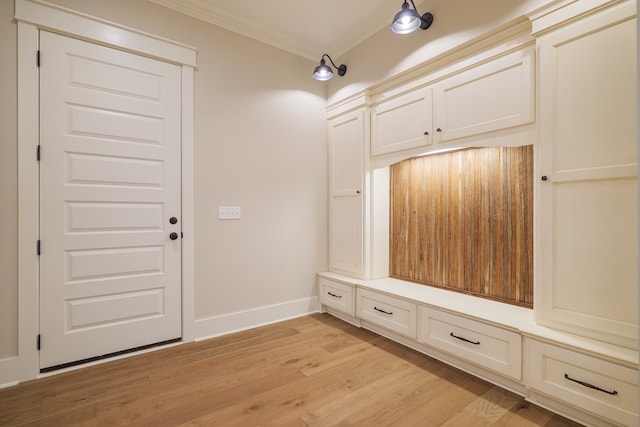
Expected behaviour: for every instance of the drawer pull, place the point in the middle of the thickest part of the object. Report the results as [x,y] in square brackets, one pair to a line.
[612,393]
[464,339]
[334,295]
[382,311]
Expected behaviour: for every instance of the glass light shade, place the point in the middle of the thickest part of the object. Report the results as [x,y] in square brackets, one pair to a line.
[406,21]
[323,72]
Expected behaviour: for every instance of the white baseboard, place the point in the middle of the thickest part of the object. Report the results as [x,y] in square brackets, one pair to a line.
[243,320]
[9,372]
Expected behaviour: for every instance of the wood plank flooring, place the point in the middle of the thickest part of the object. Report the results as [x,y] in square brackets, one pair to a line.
[311,371]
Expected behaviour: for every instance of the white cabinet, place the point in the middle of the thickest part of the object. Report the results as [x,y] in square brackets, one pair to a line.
[395,314]
[587,192]
[587,380]
[495,95]
[348,136]
[337,295]
[492,95]
[597,386]
[486,345]
[402,122]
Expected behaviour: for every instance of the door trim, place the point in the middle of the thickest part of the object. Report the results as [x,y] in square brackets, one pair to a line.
[32,16]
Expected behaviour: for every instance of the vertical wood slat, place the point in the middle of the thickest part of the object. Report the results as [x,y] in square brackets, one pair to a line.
[464,221]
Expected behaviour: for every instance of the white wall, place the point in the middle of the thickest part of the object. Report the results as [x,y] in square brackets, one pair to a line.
[260,143]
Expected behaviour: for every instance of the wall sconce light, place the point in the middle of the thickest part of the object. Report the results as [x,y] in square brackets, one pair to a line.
[408,20]
[323,72]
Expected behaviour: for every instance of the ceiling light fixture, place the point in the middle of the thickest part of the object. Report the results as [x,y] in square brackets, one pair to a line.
[408,20]
[323,72]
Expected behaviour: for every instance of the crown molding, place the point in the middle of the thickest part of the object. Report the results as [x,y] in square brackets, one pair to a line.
[367,26]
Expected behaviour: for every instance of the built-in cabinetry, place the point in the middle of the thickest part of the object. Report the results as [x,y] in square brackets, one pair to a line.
[402,122]
[348,158]
[587,234]
[490,96]
[492,347]
[338,295]
[569,87]
[557,373]
[390,312]
[587,380]
[495,94]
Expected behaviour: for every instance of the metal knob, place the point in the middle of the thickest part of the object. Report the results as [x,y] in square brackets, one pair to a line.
[173,236]
[173,220]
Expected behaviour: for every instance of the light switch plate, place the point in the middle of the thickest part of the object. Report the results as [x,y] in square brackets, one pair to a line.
[229,212]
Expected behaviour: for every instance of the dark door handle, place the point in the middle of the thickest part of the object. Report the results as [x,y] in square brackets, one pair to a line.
[173,236]
[173,220]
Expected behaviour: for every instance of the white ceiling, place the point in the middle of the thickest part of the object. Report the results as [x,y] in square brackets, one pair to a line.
[307,28]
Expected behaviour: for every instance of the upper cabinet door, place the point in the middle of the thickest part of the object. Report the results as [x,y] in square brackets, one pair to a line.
[402,122]
[491,96]
[587,210]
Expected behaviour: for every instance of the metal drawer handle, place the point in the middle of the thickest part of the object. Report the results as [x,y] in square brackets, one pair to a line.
[382,311]
[334,295]
[612,393]
[464,339]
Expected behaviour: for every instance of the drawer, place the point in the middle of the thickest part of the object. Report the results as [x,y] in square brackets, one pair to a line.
[587,382]
[339,296]
[489,346]
[391,313]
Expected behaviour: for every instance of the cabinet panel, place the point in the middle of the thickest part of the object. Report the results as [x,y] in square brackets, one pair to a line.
[402,122]
[586,259]
[486,345]
[489,97]
[589,383]
[346,235]
[592,221]
[391,313]
[346,135]
[337,295]
[599,70]
[347,138]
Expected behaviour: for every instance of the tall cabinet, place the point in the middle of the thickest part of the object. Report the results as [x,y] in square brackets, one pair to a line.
[587,215]
[348,189]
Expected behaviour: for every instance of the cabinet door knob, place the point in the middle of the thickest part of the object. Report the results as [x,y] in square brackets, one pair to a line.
[544,178]
[357,191]
[426,132]
[438,130]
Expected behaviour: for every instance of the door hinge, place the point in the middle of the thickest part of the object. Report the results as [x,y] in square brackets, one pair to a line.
[38,247]
[38,153]
[38,58]
[38,342]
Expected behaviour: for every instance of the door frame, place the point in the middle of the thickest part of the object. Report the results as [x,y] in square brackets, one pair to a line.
[33,16]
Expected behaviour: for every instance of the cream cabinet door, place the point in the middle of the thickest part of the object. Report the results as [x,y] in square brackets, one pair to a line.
[491,96]
[587,251]
[597,386]
[402,122]
[347,137]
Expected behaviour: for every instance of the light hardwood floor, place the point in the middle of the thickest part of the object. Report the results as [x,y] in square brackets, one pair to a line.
[311,371]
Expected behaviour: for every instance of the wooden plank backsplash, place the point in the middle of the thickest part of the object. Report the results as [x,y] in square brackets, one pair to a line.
[464,221]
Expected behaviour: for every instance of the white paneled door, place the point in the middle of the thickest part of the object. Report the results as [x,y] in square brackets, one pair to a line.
[110,264]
